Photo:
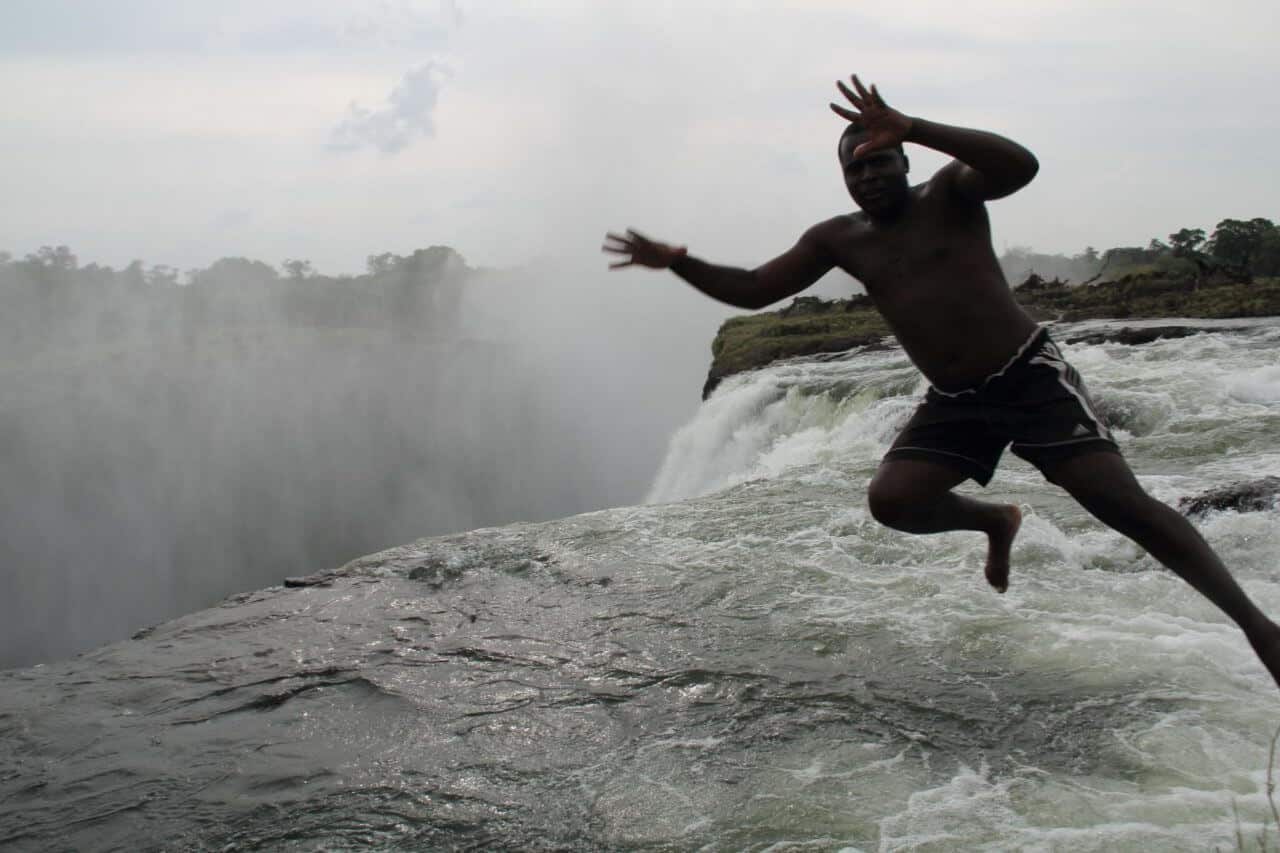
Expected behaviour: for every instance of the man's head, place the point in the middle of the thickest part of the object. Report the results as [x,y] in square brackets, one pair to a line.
[877,180]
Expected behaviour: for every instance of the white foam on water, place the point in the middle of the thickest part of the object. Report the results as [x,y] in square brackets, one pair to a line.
[1087,609]
[976,810]
[1257,386]
[766,423]
[799,845]
[770,422]
[1234,466]
[1210,375]
[969,810]
[724,438]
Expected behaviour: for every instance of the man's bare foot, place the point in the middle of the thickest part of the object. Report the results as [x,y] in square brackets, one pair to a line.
[999,544]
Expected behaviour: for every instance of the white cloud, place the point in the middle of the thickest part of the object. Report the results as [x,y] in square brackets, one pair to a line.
[407,114]
[560,119]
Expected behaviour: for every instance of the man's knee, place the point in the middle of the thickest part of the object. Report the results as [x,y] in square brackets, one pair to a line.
[891,502]
[904,491]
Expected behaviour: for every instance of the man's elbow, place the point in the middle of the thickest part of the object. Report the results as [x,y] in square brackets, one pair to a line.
[1014,179]
[1031,169]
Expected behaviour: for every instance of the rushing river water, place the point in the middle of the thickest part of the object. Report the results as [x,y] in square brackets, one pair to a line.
[747,662]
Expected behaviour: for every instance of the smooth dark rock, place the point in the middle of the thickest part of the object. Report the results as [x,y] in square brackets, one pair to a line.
[309,580]
[1134,337]
[1250,496]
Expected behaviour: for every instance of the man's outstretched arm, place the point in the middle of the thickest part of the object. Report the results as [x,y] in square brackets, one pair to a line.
[788,274]
[986,166]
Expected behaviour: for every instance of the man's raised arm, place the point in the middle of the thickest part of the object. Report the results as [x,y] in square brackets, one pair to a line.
[789,273]
[986,166]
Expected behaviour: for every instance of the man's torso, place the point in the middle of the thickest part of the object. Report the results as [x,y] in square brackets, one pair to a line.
[933,275]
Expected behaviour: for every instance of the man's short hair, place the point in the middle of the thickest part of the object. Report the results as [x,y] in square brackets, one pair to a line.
[857,130]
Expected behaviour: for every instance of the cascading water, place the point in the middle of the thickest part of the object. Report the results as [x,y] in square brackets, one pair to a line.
[746,662]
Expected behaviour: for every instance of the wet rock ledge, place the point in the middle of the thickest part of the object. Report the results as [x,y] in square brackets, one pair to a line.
[811,326]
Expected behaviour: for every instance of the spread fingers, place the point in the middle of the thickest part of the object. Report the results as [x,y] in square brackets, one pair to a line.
[848,93]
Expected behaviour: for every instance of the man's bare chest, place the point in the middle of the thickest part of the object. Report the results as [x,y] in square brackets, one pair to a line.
[888,258]
[931,243]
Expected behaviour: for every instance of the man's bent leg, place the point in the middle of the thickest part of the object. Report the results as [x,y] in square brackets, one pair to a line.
[1104,485]
[914,496]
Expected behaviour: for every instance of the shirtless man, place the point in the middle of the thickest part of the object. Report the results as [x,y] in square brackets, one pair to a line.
[924,255]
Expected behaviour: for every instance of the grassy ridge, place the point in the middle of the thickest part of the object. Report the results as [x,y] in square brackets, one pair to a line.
[810,326]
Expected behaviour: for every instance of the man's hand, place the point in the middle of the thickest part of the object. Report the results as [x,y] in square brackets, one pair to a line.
[639,249]
[885,126]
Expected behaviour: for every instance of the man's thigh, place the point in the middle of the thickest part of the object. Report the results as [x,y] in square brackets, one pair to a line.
[1097,477]
[915,480]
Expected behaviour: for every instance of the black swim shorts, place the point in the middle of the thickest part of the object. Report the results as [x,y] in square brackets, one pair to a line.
[1037,403]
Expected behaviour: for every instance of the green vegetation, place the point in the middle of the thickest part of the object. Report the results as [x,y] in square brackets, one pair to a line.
[1151,295]
[53,305]
[808,326]
[1233,273]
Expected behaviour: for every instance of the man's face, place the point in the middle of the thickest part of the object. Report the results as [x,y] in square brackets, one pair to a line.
[877,181]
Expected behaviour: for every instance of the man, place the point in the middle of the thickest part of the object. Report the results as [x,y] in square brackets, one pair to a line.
[924,255]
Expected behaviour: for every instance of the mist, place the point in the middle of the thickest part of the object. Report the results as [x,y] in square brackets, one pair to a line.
[164,445]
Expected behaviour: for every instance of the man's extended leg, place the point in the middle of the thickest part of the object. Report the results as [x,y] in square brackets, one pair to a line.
[1104,485]
[915,496]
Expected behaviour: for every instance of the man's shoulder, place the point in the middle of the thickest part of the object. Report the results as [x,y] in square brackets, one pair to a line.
[838,227]
[831,237]
[942,188]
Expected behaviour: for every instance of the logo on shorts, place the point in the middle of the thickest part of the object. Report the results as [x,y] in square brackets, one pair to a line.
[1050,350]
[1080,430]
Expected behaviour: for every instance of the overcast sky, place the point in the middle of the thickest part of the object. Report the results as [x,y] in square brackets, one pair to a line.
[181,131]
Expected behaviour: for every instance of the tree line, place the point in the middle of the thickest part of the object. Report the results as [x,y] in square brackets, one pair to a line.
[51,301]
[1239,248]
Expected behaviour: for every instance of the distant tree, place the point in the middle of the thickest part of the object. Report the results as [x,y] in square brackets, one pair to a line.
[58,258]
[162,275]
[382,264]
[297,270]
[1185,245]
[134,268]
[1089,255]
[1236,242]
[1266,261]
[133,277]
[48,297]
[1186,241]
[433,258]
[238,273]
